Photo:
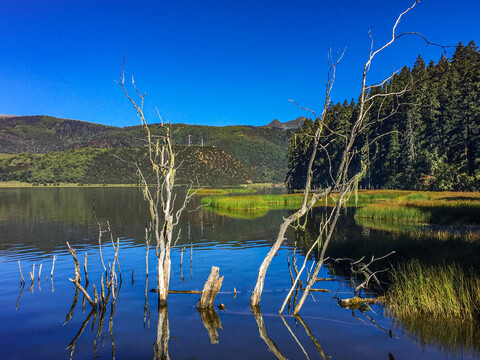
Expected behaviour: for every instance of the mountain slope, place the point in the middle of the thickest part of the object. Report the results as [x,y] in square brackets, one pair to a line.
[197,165]
[262,149]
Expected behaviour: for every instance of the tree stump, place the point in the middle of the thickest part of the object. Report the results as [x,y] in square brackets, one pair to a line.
[210,289]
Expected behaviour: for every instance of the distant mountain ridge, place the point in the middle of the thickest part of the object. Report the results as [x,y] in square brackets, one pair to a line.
[288,125]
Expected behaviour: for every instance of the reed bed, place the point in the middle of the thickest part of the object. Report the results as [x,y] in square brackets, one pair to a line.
[445,291]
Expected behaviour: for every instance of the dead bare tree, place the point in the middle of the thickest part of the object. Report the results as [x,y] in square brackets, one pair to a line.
[161,198]
[342,179]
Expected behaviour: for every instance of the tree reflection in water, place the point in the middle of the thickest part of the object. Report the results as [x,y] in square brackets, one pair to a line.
[160,346]
[212,323]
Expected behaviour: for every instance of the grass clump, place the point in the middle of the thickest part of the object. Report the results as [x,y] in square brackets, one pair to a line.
[253,202]
[444,291]
[418,196]
[399,213]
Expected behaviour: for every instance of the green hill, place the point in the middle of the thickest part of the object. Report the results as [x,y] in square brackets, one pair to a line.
[197,165]
[261,149]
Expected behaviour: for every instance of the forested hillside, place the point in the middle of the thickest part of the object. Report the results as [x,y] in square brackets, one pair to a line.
[205,166]
[261,149]
[432,140]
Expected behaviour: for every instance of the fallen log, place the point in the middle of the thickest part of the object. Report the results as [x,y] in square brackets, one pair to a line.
[178,291]
[356,302]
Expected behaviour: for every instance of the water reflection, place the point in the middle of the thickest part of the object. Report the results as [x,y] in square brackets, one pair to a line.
[453,338]
[160,346]
[262,332]
[237,247]
[312,337]
[98,313]
[212,323]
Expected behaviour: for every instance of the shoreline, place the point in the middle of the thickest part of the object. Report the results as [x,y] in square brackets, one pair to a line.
[19,184]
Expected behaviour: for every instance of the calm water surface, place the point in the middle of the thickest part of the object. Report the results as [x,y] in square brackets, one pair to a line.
[40,322]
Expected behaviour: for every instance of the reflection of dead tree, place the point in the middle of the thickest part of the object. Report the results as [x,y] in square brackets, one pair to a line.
[98,313]
[79,333]
[72,308]
[294,337]
[312,337]
[363,309]
[212,323]
[262,331]
[146,308]
[19,296]
[299,283]
[160,346]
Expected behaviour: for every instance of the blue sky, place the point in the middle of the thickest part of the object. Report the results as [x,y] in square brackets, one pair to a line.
[206,62]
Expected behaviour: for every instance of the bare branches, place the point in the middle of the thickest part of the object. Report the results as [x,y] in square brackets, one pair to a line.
[359,268]
[161,198]
[344,181]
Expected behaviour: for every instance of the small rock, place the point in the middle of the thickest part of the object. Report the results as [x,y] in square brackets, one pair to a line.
[221,307]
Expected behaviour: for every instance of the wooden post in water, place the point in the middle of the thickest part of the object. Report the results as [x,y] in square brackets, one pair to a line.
[210,289]
[21,275]
[53,266]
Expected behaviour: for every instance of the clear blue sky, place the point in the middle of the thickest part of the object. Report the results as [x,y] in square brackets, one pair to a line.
[206,62]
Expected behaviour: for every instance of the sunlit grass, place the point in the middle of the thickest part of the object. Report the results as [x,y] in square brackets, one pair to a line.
[221,191]
[433,291]
[6,156]
[252,203]
[421,207]
[393,212]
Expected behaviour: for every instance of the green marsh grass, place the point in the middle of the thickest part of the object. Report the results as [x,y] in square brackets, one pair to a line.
[392,212]
[420,207]
[443,291]
[253,202]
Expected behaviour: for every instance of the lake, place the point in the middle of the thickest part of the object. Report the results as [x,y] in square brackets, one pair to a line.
[47,320]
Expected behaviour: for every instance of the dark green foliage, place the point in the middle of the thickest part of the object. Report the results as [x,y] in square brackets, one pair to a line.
[430,141]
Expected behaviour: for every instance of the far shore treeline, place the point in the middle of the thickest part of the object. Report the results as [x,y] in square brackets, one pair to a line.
[431,142]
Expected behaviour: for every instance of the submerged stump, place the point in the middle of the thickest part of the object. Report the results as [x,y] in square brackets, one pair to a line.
[210,289]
